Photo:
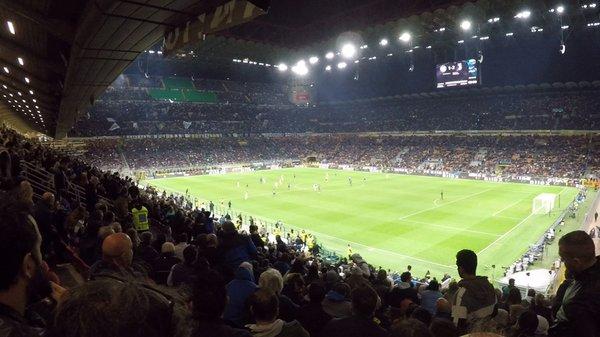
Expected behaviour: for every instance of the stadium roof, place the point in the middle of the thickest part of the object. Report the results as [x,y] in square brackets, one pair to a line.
[59,55]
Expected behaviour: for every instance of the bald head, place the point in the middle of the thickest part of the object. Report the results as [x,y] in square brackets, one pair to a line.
[577,250]
[117,248]
[442,305]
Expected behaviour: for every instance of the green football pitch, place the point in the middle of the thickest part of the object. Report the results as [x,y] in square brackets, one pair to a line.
[391,220]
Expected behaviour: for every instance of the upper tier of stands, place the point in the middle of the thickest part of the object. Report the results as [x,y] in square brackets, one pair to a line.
[547,109]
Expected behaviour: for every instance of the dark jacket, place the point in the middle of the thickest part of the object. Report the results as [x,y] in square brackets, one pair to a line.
[313,318]
[218,329]
[582,308]
[238,291]
[354,326]
[235,249]
[12,324]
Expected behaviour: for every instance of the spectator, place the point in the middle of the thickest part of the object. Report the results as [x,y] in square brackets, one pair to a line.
[117,309]
[117,256]
[22,281]
[264,306]
[166,261]
[475,299]
[182,243]
[238,291]
[430,296]
[312,316]
[182,272]
[209,300]
[410,328]
[336,302]
[255,236]
[364,303]
[146,253]
[580,304]
[443,328]
[506,289]
[234,247]
[271,279]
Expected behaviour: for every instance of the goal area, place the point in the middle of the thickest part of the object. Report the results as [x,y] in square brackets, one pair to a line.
[544,203]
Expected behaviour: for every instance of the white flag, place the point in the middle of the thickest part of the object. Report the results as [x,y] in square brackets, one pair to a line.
[114,126]
[187,125]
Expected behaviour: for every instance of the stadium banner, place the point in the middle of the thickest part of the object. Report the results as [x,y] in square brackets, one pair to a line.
[232,13]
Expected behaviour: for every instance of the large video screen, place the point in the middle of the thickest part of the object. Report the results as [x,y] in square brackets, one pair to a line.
[457,74]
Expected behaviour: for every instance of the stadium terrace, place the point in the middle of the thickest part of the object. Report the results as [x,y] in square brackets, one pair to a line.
[257,168]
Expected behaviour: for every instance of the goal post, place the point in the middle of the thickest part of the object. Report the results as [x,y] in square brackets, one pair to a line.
[544,203]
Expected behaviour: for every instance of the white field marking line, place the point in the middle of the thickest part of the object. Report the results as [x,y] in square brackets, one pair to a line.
[435,202]
[448,203]
[507,207]
[505,234]
[452,228]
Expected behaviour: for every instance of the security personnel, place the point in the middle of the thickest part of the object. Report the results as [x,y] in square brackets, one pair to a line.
[140,218]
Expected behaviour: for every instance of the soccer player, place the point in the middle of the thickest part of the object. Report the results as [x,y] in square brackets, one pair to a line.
[273,192]
[289,186]
[326,177]
[350,181]
[442,195]
[229,204]
[211,207]
[349,251]
[246,195]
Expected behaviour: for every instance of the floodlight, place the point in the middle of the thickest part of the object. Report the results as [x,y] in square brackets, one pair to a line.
[313,59]
[523,14]
[11,27]
[21,61]
[328,68]
[465,25]
[300,68]
[329,55]
[348,50]
[405,37]
[560,9]
[341,65]
[383,42]
[282,67]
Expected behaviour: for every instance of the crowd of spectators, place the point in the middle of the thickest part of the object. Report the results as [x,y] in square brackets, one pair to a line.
[155,268]
[534,156]
[577,110]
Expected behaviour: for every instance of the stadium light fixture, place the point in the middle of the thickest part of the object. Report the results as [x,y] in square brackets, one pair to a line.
[6,70]
[300,68]
[11,27]
[428,47]
[405,37]
[509,34]
[560,9]
[564,27]
[26,79]
[348,50]
[313,60]
[383,42]
[329,55]
[342,65]
[523,15]
[493,20]
[328,68]
[465,25]
[461,41]
[282,67]
[21,61]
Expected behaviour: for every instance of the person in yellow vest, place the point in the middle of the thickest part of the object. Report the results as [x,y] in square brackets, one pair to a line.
[310,242]
[349,251]
[140,217]
[277,230]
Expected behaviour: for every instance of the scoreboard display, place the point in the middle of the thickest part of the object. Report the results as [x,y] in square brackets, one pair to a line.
[457,74]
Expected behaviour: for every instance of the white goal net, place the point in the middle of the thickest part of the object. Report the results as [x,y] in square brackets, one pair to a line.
[544,203]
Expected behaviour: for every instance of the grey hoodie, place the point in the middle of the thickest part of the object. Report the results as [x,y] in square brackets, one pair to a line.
[278,328]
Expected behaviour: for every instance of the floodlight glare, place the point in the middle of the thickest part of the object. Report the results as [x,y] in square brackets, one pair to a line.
[560,9]
[300,68]
[348,50]
[313,59]
[405,37]
[282,67]
[329,55]
[383,42]
[523,14]
[328,68]
[465,25]
[341,65]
